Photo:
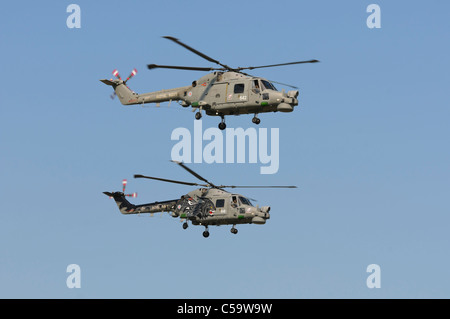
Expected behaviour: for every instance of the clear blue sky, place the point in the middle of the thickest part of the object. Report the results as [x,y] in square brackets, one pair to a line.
[368,147]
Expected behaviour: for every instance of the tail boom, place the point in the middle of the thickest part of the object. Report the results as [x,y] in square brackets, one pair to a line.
[127,208]
[128,97]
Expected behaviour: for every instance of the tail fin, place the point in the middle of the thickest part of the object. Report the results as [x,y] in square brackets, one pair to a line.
[126,96]
[124,205]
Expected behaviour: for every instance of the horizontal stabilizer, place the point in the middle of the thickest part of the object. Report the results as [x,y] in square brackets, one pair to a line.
[108,82]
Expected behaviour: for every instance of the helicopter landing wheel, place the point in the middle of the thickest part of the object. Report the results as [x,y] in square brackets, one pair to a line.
[206,232]
[222,124]
[256,120]
[198,116]
[234,230]
[185,225]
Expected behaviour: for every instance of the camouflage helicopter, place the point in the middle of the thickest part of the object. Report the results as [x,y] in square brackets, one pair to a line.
[226,91]
[208,205]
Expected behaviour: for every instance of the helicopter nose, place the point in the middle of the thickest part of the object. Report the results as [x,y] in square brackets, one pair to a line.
[266,215]
[288,101]
[265,209]
[285,107]
[261,215]
[293,94]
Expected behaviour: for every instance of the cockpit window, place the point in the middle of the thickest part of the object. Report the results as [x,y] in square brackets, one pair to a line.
[245,201]
[268,85]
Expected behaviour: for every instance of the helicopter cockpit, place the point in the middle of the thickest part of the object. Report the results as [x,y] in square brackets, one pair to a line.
[268,85]
[237,200]
[261,85]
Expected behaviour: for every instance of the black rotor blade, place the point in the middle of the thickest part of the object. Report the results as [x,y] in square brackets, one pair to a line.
[291,86]
[191,68]
[204,56]
[233,186]
[169,180]
[272,65]
[195,174]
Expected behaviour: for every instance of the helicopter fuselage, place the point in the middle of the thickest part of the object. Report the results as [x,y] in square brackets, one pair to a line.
[226,91]
[217,94]
[208,205]
[232,93]
[222,208]
[203,206]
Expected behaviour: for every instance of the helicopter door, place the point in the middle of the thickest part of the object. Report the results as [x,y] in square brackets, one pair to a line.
[256,91]
[256,87]
[235,204]
[238,94]
[217,93]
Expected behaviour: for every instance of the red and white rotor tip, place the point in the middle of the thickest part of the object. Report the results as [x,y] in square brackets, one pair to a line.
[124,183]
[133,73]
[134,195]
[116,74]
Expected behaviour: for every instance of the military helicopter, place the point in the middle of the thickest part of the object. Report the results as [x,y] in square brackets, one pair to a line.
[226,91]
[205,206]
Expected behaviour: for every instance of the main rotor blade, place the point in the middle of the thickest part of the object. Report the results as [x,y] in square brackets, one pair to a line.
[204,56]
[291,86]
[272,65]
[195,174]
[169,180]
[233,186]
[191,68]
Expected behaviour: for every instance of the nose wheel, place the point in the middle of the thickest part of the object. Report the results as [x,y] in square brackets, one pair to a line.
[234,230]
[206,232]
[198,115]
[256,120]
[222,124]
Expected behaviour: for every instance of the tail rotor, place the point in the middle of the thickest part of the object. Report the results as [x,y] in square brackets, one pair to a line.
[124,185]
[117,75]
